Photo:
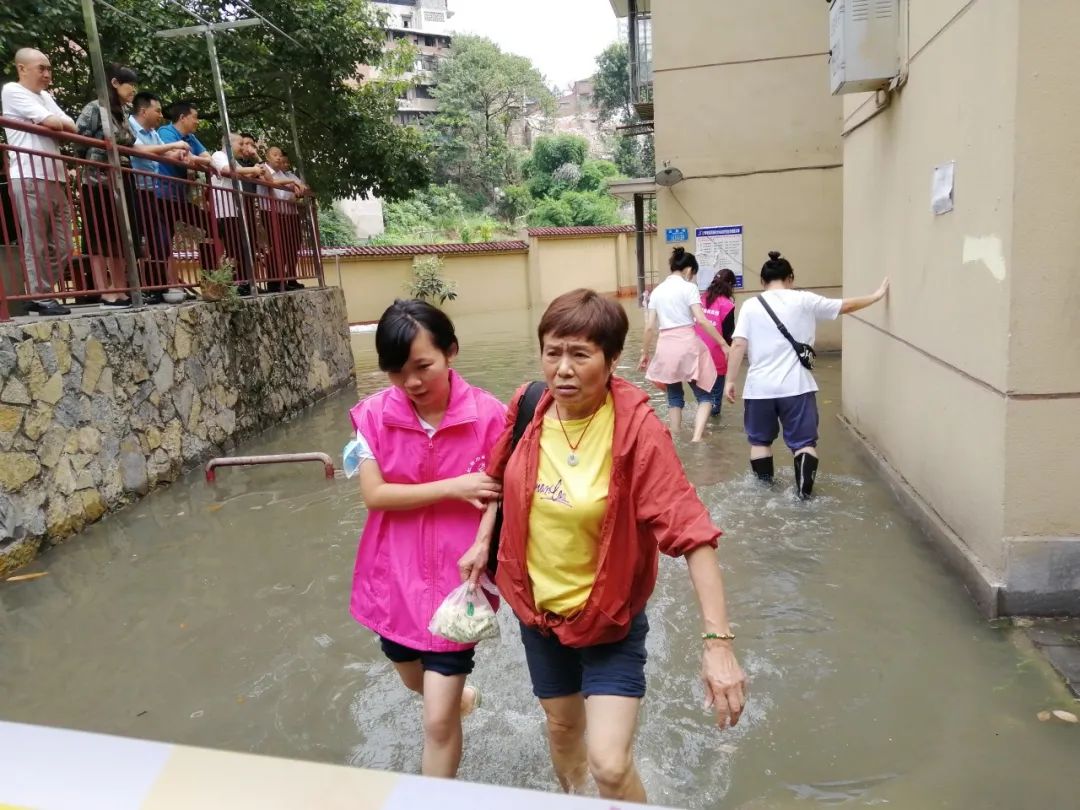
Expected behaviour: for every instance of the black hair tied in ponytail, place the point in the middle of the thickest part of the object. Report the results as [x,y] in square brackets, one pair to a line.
[681,260]
[776,268]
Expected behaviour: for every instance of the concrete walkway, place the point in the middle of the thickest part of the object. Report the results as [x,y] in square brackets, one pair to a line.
[1059,641]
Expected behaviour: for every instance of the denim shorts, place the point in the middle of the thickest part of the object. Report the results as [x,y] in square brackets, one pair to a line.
[616,669]
[676,398]
[444,663]
[798,415]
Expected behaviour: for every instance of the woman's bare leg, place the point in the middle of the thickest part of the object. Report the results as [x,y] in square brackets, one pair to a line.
[612,723]
[701,419]
[566,740]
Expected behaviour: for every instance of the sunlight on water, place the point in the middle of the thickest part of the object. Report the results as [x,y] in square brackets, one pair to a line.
[218,616]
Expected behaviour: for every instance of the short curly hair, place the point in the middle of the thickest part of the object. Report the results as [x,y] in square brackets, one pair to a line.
[587,314]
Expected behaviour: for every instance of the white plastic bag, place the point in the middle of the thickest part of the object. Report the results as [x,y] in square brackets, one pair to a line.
[467,617]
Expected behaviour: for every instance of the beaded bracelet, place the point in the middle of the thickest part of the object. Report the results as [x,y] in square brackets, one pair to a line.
[717,636]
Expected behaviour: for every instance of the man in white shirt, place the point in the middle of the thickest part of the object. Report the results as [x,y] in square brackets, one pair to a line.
[38,183]
[285,221]
[779,390]
[228,218]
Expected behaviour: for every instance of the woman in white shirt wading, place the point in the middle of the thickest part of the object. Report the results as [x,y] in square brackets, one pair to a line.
[780,391]
[674,308]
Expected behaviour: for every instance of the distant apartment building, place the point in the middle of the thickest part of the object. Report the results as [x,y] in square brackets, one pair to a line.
[579,99]
[426,25]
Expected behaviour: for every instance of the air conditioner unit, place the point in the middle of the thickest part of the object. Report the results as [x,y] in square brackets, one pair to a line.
[864,44]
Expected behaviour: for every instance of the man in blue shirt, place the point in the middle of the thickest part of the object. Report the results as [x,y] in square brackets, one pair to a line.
[178,196]
[144,121]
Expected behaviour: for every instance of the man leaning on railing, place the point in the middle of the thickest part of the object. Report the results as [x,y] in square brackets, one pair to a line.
[173,189]
[230,227]
[145,119]
[286,235]
[39,184]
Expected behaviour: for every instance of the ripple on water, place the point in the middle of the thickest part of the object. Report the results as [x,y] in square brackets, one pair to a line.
[842,619]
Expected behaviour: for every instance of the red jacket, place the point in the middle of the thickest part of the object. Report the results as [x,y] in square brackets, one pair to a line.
[651,508]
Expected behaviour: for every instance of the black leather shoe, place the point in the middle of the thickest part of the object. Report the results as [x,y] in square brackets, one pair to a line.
[293,284]
[49,308]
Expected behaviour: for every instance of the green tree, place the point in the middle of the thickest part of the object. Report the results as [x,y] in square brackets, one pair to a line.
[633,154]
[336,229]
[481,92]
[350,144]
[576,208]
[550,152]
[611,84]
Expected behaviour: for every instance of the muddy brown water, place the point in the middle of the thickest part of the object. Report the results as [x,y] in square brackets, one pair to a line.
[216,615]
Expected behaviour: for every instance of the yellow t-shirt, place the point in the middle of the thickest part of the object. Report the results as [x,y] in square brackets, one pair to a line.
[568,509]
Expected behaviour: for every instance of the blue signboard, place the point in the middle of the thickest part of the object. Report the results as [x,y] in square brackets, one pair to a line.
[677,235]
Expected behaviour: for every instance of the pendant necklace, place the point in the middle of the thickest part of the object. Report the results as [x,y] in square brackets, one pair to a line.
[572,459]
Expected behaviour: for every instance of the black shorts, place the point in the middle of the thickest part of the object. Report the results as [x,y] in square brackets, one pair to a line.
[798,416]
[616,669]
[444,663]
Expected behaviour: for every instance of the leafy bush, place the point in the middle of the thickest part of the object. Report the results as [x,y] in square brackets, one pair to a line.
[576,208]
[595,174]
[336,229]
[513,203]
[428,284]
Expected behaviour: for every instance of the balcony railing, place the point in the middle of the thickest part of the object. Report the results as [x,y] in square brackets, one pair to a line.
[641,57]
[61,236]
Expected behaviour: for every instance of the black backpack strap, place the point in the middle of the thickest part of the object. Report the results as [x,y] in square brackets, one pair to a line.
[526,410]
[779,324]
[527,403]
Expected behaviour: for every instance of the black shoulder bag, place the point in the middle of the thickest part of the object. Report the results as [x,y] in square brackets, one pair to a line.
[804,351]
[526,410]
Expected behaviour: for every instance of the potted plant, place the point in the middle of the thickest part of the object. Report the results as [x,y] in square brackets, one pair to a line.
[220,284]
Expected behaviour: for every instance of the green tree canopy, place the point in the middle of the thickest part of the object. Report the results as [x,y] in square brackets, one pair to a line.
[336,229]
[634,154]
[482,92]
[567,185]
[614,101]
[550,152]
[350,145]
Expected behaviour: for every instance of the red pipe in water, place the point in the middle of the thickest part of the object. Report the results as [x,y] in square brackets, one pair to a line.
[284,458]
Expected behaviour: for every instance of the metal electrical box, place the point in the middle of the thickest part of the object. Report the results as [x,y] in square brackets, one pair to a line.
[864,44]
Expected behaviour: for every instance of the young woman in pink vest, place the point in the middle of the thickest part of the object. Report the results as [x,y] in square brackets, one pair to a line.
[718,304]
[422,446]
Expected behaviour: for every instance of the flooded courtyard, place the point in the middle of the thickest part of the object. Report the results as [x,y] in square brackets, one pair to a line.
[217,615]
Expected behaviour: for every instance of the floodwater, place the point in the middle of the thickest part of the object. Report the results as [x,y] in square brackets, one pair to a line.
[217,616]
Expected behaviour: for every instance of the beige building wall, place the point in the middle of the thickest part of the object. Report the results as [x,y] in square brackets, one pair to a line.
[487,282]
[967,381]
[743,110]
[512,280]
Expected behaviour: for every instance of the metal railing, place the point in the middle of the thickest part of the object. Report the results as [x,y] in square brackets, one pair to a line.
[61,237]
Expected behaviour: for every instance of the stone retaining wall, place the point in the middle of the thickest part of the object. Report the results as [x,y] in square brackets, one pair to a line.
[97,410]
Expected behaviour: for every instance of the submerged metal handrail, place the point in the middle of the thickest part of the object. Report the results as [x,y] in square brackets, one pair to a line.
[282,458]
